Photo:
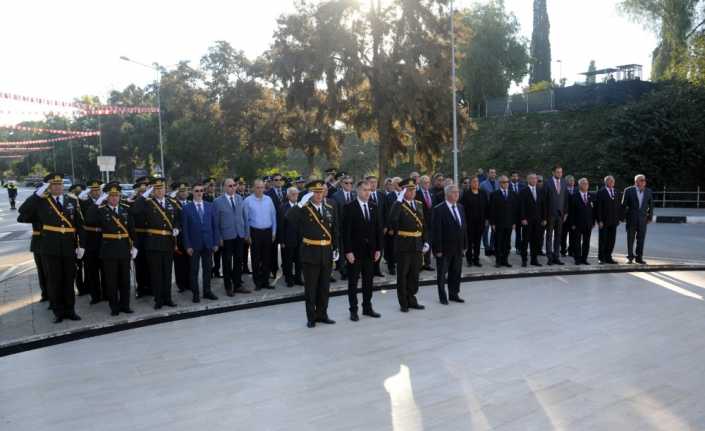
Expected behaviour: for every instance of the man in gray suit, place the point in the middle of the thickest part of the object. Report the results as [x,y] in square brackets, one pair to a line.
[231,225]
[555,213]
[638,205]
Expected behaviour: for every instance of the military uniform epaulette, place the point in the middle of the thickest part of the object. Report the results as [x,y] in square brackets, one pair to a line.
[102,206]
[72,196]
[326,204]
[418,202]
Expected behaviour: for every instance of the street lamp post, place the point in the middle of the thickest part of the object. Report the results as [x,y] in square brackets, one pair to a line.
[455,102]
[156,68]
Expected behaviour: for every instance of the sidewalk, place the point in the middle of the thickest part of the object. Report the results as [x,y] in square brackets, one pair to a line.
[25,321]
[680,215]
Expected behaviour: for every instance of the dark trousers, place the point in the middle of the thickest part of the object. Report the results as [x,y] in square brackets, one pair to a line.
[607,237]
[518,237]
[317,290]
[261,255]
[503,243]
[142,276]
[636,231]
[488,239]
[291,264]
[245,256]
[60,272]
[232,263]
[160,263]
[41,275]
[362,267]
[408,267]
[448,271]
[182,270]
[91,271]
[554,227]
[12,203]
[580,243]
[567,240]
[531,240]
[475,230]
[274,266]
[203,259]
[117,283]
[389,255]
[217,259]
[79,278]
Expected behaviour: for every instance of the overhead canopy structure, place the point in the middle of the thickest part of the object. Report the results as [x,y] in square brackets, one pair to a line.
[625,72]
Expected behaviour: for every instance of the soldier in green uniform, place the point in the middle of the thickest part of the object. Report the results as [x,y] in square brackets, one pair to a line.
[116,247]
[26,215]
[182,266]
[141,267]
[61,243]
[162,226]
[318,228]
[91,259]
[410,242]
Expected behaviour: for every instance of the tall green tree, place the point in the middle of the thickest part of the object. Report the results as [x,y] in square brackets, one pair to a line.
[591,79]
[540,69]
[494,53]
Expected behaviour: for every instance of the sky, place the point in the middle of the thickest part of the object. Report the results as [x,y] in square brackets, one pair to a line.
[63,49]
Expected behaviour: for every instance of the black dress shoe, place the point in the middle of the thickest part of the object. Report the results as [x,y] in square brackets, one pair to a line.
[310,324]
[268,286]
[428,268]
[549,263]
[333,280]
[371,313]
[73,316]
[404,309]
[392,271]
[535,263]
[378,274]
[585,262]
[558,262]
[289,284]
[299,282]
[210,296]
[327,321]
[508,265]
[127,310]
[477,264]
[170,304]
[44,299]
[578,262]
[94,301]
[498,265]
[58,319]
[613,262]
[196,299]
[354,317]
[641,261]
[630,261]
[417,307]
[457,299]
[523,263]
[157,307]
[114,313]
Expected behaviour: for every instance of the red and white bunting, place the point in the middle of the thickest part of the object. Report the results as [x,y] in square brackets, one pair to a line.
[24,150]
[40,100]
[52,131]
[38,141]
[83,109]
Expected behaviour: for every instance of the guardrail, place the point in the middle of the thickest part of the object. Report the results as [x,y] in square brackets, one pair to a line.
[665,198]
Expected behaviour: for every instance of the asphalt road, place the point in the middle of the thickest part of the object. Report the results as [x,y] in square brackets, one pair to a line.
[15,257]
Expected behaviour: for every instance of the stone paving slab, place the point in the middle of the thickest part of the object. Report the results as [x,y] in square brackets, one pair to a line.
[25,321]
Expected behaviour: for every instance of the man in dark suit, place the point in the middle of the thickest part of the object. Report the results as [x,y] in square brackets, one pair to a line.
[555,213]
[342,197]
[516,185]
[504,210]
[582,220]
[278,196]
[638,206]
[289,238]
[377,198]
[389,243]
[425,195]
[531,216]
[449,242]
[475,202]
[608,208]
[200,240]
[566,230]
[362,245]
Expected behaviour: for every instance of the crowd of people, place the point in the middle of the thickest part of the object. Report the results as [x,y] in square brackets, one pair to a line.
[90,236]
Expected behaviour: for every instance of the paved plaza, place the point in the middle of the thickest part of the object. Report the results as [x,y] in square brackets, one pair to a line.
[587,352]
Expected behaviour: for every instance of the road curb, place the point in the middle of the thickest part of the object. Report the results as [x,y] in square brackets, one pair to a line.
[46,340]
[681,219]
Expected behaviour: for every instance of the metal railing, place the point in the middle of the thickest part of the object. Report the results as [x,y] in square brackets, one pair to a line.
[665,198]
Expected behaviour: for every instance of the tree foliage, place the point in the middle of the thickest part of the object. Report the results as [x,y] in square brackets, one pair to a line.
[540,69]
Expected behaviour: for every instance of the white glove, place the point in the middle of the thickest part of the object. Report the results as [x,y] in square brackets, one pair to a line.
[83,195]
[426,248]
[175,232]
[305,199]
[101,199]
[133,253]
[400,196]
[148,192]
[80,252]
[173,194]
[336,255]
[40,191]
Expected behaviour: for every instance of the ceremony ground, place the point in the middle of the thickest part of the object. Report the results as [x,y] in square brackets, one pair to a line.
[584,352]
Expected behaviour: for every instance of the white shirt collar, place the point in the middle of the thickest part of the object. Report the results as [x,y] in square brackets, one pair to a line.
[450,205]
[362,202]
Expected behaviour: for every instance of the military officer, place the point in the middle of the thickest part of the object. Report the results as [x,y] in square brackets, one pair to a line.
[61,243]
[26,215]
[116,247]
[318,228]
[162,227]
[141,267]
[410,242]
[182,266]
[91,259]
[80,278]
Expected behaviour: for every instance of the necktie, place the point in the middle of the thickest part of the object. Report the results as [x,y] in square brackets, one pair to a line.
[515,188]
[347,197]
[611,193]
[374,197]
[58,203]
[504,193]
[585,198]
[413,207]
[456,216]
[558,185]
[533,193]
[427,198]
[200,211]
[232,203]
[367,214]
